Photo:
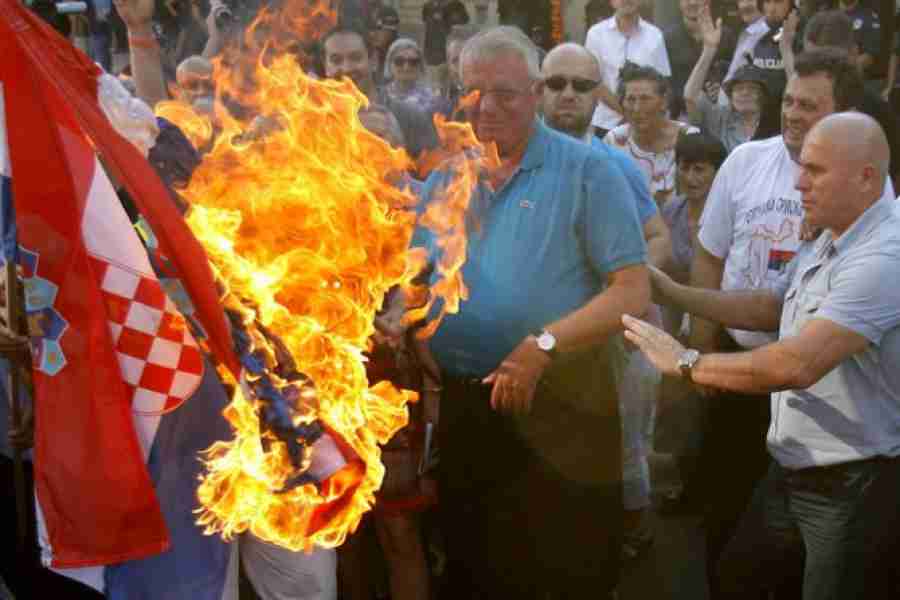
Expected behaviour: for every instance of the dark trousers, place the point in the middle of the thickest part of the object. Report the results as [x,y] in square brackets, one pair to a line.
[732,459]
[531,507]
[845,519]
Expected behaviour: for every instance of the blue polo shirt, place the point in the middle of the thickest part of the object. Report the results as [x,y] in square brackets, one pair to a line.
[546,243]
[637,181]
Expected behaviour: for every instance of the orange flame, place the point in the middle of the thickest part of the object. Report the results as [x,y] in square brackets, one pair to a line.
[295,208]
[449,218]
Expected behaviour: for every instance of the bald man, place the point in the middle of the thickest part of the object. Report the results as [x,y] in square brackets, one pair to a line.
[570,92]
[833,487]
[194,77]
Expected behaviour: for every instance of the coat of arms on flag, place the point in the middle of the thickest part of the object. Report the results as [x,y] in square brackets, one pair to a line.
[45,324]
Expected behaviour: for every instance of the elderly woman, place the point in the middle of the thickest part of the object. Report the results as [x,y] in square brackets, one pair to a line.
[746,90]
[648,135]
[404,74]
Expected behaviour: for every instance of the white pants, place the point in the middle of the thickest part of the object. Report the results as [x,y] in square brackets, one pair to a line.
[279,574]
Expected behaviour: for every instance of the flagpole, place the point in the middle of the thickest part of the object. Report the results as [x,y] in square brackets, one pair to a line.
[14,347]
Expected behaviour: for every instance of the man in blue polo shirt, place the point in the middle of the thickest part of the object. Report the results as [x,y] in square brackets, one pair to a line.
[571,74]
[529,405]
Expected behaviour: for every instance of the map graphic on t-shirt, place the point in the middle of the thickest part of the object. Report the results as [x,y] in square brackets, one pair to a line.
[764,255]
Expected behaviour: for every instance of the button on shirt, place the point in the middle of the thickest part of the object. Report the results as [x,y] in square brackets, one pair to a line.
[645,46]
[853,412]
[547,240]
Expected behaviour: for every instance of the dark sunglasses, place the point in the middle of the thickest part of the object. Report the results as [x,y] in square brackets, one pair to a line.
[558,83]
[408,62]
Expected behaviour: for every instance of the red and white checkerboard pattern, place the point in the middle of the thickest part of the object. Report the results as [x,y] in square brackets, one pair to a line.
[158,355]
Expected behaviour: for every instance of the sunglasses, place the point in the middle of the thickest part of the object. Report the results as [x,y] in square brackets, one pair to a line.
[558,83]
[407,62]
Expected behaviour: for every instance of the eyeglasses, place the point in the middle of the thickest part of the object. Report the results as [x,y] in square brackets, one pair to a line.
[502,96]
[406,62]
[558,83]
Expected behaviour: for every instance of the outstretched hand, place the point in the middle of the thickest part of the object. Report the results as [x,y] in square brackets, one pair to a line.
[710,30]
[659,347]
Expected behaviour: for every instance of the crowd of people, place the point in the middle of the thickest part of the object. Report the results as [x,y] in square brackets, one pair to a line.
[723,189]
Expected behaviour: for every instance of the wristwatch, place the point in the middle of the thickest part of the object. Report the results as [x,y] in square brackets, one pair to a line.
[686,363]
[546,342]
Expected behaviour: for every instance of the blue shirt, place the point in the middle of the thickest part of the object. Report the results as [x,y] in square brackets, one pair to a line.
[548,238]
[646,206]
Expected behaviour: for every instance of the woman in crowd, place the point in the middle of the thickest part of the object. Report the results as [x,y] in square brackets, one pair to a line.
[648,134]
[404,73]
[747,94]
[698,157]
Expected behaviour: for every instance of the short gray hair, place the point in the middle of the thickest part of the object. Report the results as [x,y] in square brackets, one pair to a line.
[499,40]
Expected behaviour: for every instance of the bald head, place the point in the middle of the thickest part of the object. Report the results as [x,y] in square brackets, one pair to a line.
[194,77]
[843,169]
[856,137]
[569,74]
[568,55]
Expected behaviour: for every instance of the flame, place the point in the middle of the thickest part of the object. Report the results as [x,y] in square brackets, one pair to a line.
[449,218]
[298,215]
[198,128]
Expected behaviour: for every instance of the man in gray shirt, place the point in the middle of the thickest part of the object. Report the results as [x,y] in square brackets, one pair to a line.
[833,488]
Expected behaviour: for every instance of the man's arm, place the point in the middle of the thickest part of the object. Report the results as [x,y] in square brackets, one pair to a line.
[796,362]
[786,43]
[627,292]
[659,243]
[706,272]
[712,37]
[146,66]
[755,310]
[515,380]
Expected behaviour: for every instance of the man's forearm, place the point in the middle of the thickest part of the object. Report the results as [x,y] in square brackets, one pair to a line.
[659,243]
[751,310]
[601,317]
[706,272]
[760,371]
[694,86]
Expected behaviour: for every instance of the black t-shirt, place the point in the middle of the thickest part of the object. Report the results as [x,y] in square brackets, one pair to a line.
[439,19]
[684,52]
[767,56]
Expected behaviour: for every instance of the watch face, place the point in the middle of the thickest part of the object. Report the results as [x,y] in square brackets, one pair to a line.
[546,342]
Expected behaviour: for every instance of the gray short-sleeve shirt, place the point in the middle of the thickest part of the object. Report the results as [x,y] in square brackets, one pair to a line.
[853,412]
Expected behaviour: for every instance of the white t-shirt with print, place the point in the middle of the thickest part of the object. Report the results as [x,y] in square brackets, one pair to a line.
[752,221]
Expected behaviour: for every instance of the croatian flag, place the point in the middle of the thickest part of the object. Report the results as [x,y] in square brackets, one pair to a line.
[113,359]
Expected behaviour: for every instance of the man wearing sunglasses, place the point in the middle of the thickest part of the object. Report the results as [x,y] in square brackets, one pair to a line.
[570,79]
[531,469]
